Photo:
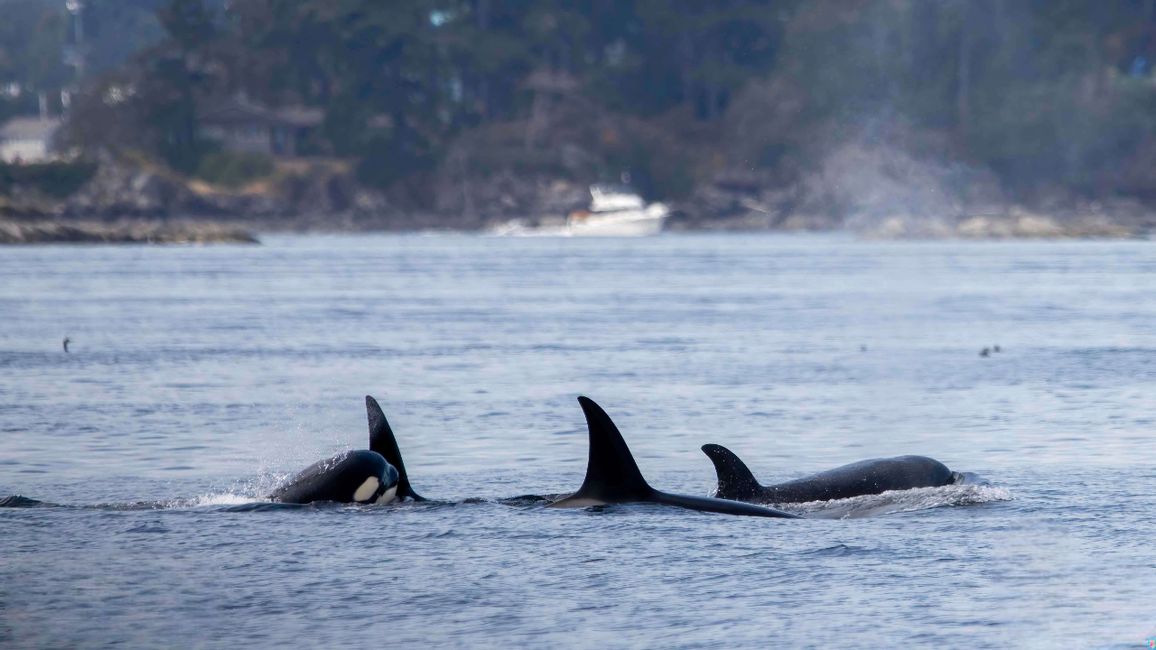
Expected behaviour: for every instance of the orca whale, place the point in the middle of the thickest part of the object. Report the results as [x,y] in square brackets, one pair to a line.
[735,480]
[355,476]
[374,475]
[612,476]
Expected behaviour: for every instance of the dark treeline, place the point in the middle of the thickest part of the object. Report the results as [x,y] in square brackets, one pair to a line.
[1040,93]
[39,50]
[400,82]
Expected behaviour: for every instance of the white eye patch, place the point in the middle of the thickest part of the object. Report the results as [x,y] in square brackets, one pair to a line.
[387,496]
[367,489]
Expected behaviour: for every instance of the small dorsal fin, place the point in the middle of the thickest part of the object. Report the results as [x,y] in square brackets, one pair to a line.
[382,440]
[735,480]
[611,473]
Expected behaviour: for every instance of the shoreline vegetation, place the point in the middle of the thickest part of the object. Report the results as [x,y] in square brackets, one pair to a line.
[881,118]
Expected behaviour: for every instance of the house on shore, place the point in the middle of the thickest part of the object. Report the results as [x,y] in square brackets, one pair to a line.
[238,124]
[25,140]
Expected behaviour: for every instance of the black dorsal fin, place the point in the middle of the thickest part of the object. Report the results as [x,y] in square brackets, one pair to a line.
[735,480]
[382,440]
[611,473]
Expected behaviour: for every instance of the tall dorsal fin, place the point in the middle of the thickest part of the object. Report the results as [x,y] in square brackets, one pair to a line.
[735,480]
[382,440]
[611,473]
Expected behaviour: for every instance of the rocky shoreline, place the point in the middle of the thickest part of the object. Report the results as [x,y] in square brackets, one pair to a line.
[123,232]
[871,192]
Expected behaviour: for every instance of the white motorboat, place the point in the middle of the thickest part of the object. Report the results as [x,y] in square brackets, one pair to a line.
[617,211]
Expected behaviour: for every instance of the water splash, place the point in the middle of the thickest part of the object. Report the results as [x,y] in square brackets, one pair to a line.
[219,499]
[896,501]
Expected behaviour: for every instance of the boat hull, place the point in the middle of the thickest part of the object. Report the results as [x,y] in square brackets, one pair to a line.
[625,223]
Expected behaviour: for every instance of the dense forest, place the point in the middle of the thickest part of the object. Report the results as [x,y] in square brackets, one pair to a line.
[848,108]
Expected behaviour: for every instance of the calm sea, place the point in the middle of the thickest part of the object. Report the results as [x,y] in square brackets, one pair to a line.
[200,377]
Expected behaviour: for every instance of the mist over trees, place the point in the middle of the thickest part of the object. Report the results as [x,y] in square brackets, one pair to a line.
[1031,95]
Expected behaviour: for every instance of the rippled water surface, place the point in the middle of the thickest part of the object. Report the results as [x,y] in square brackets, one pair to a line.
[200,377]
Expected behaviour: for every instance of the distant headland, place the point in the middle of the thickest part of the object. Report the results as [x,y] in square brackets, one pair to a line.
[884,119]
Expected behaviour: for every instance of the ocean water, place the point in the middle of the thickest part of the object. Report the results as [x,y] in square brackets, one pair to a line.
[199,378]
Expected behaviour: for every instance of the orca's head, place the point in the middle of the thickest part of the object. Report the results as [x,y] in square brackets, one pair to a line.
[380,488]
[389,485]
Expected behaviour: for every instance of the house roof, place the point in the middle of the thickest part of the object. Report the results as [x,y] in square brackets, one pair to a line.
[29,128]
[243,111]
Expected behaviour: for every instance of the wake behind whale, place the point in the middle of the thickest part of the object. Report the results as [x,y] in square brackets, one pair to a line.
[901,501]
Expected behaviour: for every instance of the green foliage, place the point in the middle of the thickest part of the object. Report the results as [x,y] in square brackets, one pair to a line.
[188,22]
[1038,91]
[115,30]
[32,37]
[54,179]
[382,166]
[162,91]
[10,108]
[657,167]
[233,169]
